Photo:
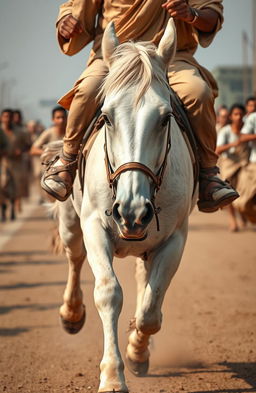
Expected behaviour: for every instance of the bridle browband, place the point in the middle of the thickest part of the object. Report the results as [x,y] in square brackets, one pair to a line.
[157,179]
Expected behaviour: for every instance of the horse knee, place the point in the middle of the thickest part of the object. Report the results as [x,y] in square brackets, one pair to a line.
[149,322]
[108,294]
[72,241]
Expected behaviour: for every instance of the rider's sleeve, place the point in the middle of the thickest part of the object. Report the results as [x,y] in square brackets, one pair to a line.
[86,12]
[205,39]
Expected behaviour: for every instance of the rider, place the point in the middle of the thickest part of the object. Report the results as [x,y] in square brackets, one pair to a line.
[197,22]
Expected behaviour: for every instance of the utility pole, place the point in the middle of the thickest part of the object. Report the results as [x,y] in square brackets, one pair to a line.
[245,64]
[3,86]
[254,46]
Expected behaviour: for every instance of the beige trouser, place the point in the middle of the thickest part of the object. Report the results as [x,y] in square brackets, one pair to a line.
[185,80]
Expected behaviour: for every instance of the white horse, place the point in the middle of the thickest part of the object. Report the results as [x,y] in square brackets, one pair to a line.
[148,168]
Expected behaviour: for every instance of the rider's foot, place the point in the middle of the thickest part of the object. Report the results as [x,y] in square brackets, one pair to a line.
[59,176]
[214,193]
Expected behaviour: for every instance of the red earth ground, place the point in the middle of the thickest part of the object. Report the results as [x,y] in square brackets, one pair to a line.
[208,337]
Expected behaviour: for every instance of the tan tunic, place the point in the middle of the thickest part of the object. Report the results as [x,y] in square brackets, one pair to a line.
[143,20]
[137,20]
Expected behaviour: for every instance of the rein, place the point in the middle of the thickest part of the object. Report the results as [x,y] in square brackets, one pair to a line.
[157,179]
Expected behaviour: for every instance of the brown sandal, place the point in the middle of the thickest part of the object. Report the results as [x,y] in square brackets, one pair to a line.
[52,172]
[209,184]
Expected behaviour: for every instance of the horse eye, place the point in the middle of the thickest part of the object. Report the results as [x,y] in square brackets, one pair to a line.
[107,121]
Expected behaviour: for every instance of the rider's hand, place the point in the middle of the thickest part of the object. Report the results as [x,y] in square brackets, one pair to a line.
[69,26]
[179,9]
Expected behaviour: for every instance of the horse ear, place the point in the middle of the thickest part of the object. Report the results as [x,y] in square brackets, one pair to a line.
[167,46]
[109,42]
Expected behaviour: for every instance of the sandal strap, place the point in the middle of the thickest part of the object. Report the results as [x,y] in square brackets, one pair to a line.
[209,171]
[215,179]
[68,157]
[71,168]
[51,162]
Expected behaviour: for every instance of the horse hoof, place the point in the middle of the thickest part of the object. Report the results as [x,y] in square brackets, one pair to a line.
[137,368]
[73,327]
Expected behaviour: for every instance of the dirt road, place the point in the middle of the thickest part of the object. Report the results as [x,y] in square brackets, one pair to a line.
[208,340]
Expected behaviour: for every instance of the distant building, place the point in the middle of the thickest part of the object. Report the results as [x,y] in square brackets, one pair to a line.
[48,102]
[235,84]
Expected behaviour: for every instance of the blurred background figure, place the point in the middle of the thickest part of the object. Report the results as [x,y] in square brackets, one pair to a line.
[6,191]
[18,120]
[34,163]
[19,126]
[247,179]
[234,155]
[222,117]
[55,133]
[250,106]
[32,129]
[41,143]
[17,144]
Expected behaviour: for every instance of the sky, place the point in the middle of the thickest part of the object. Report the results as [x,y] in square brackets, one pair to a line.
[32,68]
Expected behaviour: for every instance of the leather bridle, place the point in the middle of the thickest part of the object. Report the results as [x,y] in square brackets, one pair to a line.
[157,179]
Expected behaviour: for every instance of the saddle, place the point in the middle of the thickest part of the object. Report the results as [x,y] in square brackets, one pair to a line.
[181,118]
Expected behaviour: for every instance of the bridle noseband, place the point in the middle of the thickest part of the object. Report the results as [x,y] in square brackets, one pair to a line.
[157,179]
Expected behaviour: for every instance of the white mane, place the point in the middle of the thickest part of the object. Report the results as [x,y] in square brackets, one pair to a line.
[133,65]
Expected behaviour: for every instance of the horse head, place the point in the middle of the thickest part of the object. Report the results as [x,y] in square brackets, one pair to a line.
[137,114]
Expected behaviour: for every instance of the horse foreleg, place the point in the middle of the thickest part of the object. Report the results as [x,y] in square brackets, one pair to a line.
[164,263]
[141,275]
[108,298]
[72,312]
[137,354]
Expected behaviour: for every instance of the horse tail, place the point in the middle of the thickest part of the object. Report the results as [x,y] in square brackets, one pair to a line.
[57,247]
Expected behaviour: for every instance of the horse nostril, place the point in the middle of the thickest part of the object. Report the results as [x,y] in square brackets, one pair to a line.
[132,220]
[147,217]
[116,214]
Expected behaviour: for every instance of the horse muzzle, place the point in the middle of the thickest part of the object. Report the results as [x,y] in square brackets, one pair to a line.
[132,222]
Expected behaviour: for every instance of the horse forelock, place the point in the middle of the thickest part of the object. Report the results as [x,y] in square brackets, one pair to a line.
[133,65]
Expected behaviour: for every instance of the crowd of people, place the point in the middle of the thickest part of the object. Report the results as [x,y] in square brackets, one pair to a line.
[236,147]
[22,145]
